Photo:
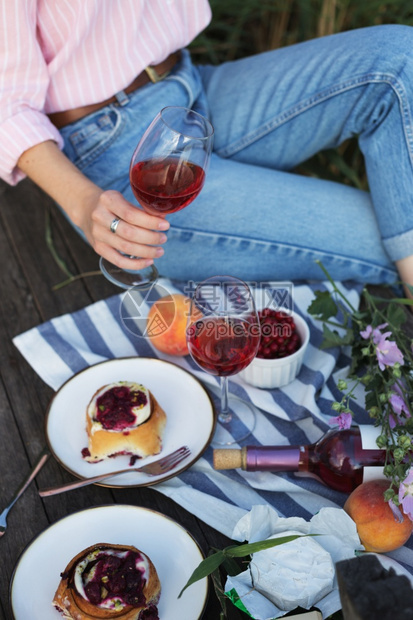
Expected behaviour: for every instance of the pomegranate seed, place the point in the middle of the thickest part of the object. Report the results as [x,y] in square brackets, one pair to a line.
[279,336]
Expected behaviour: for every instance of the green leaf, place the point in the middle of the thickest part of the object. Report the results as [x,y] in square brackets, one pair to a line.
[333,339]
[360,315]
[249,548]
[231,566]
[205,568]
[395,315]
[323,306]
[409,425]
[214,561]
[371,400]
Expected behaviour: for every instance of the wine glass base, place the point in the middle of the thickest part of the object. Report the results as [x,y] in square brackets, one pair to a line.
[125,278]
[239,427]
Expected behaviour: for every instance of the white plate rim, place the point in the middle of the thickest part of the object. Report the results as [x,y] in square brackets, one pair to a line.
[114,507]
[156,479]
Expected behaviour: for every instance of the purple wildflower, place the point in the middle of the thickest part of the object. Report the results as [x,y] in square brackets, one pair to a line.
[399,406]
[377,332]
[387,351]
[367,332]
[344,420]
[406,494]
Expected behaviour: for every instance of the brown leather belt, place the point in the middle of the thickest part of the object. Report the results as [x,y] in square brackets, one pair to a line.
[153,73]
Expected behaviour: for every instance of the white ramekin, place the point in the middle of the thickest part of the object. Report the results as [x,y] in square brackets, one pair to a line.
[274,373]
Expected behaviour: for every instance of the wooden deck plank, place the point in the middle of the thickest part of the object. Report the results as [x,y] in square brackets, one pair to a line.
[27,299]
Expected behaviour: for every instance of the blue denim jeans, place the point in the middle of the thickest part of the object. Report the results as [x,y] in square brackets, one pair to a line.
[256,219]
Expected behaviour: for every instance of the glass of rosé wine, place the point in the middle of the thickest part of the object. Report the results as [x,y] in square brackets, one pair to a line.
[223,334]
[167,172]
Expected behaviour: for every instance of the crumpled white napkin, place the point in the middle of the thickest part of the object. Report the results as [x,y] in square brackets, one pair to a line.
[300,573]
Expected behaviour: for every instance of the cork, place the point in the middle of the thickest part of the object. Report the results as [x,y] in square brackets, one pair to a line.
[225,458]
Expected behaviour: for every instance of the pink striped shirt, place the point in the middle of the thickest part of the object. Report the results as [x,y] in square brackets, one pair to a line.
[61,54]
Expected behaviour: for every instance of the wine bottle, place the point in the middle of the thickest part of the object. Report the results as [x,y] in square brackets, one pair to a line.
[338,459]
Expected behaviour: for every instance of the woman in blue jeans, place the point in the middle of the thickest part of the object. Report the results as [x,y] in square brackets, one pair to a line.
[254,218]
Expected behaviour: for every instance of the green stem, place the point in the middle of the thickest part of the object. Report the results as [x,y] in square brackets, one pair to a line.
[87,274]
[335,324]
[356,384]
[372,306]
[49,242]
[398,300]
[337,290]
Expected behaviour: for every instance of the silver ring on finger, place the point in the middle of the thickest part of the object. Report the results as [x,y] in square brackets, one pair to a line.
[114,225]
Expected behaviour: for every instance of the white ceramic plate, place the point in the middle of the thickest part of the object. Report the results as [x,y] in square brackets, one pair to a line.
[188,407]
[171,548]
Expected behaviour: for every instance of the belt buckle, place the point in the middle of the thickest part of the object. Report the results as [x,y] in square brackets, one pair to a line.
[155,77]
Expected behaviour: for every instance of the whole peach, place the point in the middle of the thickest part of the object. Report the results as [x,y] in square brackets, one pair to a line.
[166,324]
[377,527]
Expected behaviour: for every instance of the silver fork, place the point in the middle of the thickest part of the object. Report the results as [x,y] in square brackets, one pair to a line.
[161,466]
[44,455]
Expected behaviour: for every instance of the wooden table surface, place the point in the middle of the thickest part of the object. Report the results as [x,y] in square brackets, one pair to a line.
[27,276]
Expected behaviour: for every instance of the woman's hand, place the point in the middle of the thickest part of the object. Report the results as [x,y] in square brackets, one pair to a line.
[137,234]
[93,210]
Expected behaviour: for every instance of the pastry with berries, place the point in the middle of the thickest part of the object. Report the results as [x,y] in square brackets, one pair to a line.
[109,581]
[123,418]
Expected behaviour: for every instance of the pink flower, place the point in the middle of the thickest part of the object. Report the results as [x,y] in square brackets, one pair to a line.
[344,420]
[367,332]
[406,494]
[387,351]
[399,406]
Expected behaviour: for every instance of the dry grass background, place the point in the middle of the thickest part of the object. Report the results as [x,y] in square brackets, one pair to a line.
[243,27]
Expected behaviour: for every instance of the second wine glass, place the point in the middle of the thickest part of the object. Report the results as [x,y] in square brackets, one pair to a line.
[167,172]
[223,335]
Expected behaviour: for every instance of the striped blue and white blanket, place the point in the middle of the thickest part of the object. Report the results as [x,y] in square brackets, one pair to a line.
[295,414]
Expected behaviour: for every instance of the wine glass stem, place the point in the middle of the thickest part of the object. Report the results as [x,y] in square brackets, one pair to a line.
[225,415]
